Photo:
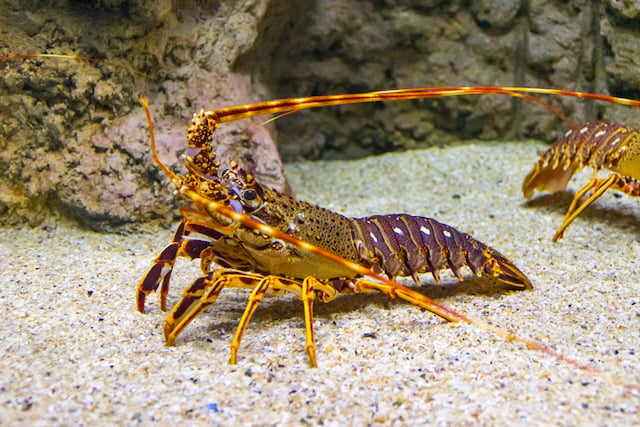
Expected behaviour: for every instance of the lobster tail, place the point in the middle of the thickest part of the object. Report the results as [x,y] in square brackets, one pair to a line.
[405,245]
[505,271]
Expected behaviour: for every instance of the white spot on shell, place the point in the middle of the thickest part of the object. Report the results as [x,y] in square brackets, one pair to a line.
[584,129]
[615,142]
[600,133]
[425,230]
[398,231]
[567,133]
[165,270]
[446,233]
[373,237]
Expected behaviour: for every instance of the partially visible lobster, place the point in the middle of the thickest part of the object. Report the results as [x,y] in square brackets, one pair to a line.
[272,243]
[598,144]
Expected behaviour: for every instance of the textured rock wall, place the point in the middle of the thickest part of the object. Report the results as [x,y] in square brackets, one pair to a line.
[355,45]
[74,136]
[74,139]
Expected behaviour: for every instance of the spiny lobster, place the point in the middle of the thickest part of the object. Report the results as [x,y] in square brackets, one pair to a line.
[262,239]
[598,144]
[272,243]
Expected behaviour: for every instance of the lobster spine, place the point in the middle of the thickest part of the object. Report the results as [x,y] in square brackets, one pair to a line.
[405,245]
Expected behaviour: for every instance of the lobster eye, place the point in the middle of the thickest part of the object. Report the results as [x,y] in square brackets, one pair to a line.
[249,194]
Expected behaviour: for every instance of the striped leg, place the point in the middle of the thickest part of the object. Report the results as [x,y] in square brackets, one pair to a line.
[160,272]
[306,292]
[628,186]
[201,294]
[254,299]
[205,291]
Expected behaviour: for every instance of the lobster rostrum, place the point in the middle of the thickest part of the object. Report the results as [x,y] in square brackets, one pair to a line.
[272,243]
[598,144]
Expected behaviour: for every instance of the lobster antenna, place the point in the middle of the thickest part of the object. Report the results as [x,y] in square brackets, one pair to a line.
[436,94]
[230,114]
[154,151]
[75,58]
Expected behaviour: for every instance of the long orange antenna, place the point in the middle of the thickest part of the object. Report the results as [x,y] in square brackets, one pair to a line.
[295,104]
[154,151]
[289,105]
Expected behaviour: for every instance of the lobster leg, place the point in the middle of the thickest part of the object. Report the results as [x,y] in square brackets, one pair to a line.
[307,294]
[205,291]
[629,186]
[160,271]
[307,297]
[254,299]
[201,294]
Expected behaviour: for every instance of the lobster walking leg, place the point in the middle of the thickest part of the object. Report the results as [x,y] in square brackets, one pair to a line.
[308,295]
[629,186]
[254,300]
[205,291]
[160,271]
[201,294]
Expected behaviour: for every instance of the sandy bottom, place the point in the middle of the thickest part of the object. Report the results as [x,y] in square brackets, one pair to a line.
[75,351]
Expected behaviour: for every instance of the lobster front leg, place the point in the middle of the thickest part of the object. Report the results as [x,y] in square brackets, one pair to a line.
[162,267]
[160,271]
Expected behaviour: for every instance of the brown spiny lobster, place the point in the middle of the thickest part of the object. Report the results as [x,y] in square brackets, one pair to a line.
[598,144]
[271,243]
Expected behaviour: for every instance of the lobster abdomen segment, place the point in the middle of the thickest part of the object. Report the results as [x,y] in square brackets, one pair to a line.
[405,245]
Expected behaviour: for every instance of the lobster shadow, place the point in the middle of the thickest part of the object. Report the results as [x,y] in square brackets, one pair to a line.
[596,214]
